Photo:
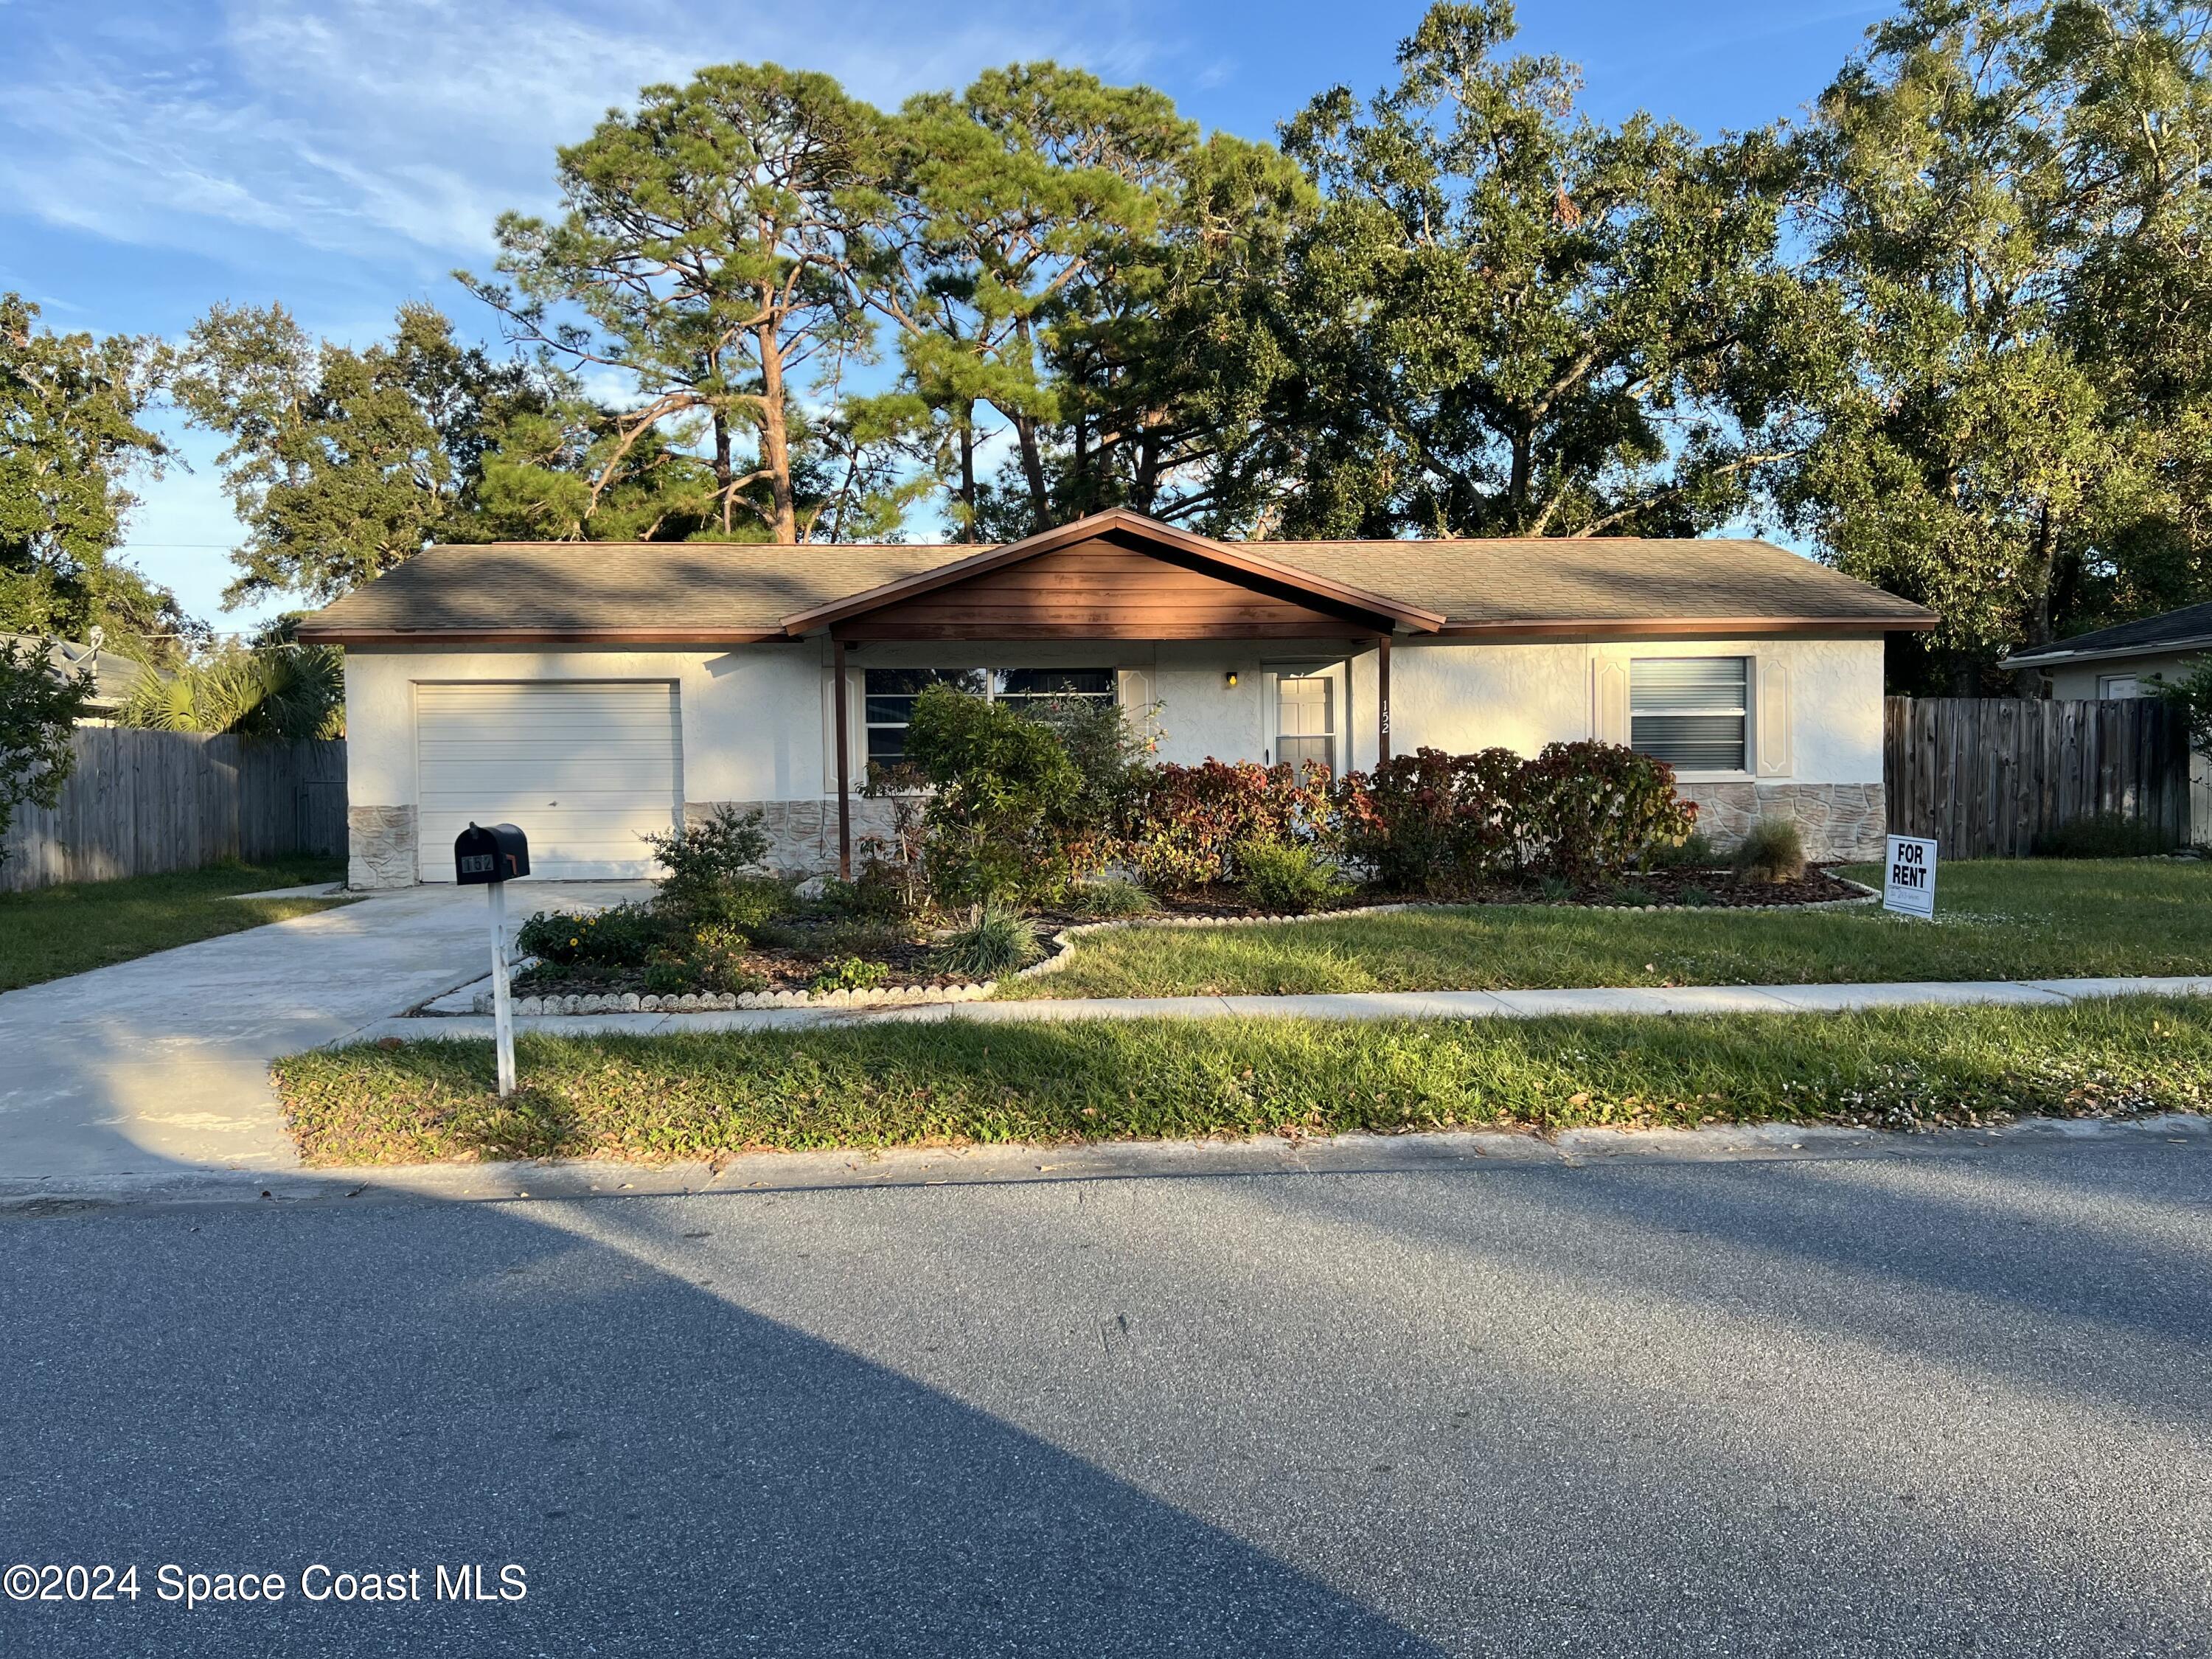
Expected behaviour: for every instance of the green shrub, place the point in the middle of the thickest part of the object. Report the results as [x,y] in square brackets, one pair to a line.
[850,974]
[994,943]
[718,961]
[2104,835]
[1557,889]
[748,904]
[1285,877]
[878,893]
[1108,755]
[1111,896]
[1627,893]
[619,937]
[1771,851]
[670,974]
[1185,822]
[1695,851]
[709,856]
[1006,804]
[1698,898]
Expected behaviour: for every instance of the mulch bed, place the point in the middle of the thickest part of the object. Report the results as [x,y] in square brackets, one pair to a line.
[783,969]
[788,969]
[1724,892]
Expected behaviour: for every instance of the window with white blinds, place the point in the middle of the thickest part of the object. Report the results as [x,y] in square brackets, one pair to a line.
[1691,711]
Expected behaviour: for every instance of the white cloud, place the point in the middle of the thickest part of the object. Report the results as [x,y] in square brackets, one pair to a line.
[397,129]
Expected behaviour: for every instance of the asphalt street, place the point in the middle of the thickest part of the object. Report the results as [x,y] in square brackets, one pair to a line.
[1904,1403]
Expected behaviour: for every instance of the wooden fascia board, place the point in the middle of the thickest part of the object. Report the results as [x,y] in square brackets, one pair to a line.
[460,636]
[1688,628]
[862,631]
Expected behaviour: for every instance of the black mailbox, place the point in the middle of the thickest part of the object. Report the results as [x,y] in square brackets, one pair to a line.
[482,856]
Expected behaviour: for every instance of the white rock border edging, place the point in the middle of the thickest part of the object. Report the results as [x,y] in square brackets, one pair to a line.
[631,1002]
[1062,946]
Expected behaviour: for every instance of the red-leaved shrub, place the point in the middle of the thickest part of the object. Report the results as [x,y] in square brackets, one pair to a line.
[1185,822]
[1430,822]
[1598,808]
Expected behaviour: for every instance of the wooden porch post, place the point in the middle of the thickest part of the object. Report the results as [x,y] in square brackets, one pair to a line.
[844,764]
[1382,698]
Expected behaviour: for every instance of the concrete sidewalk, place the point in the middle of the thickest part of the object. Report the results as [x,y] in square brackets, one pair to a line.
[1376,1005]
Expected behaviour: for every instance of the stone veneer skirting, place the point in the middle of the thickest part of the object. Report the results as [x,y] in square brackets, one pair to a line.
[1835,820]
[802,835]
[381,847]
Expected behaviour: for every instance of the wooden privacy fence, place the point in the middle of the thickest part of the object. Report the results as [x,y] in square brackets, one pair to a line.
[141,802]
[1985,776]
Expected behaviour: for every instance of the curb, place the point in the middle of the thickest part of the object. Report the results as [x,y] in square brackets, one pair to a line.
[1466,1150]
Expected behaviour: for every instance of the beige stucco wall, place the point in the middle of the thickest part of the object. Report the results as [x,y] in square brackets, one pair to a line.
[2080,680]
[756,728]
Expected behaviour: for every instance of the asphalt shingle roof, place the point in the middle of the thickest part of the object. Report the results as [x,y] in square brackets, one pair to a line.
[2190,625]
[717,589]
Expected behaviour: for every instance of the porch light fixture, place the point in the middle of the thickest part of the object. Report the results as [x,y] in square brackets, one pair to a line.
[1230,679]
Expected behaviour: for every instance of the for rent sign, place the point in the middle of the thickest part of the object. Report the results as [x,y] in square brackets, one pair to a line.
[1910,885]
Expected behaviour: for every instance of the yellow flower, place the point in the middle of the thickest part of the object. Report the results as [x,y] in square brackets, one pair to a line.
[575,941]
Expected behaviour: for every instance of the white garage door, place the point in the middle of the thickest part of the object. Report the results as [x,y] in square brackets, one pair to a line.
[584,767]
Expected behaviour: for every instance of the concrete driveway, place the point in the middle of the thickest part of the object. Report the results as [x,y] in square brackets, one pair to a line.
[139,1068]
[1930,1397]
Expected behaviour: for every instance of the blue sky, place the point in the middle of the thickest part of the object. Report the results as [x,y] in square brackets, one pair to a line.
[156,155]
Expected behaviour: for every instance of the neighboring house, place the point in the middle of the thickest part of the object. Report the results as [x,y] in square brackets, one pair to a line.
[113,677]
[2131,660]
[2125,661]
[593,692]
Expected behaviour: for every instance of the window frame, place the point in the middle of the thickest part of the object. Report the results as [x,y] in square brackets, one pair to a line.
[992,691]
[1747,713]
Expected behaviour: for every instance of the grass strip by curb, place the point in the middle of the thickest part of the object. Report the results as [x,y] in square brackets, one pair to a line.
[712,1095]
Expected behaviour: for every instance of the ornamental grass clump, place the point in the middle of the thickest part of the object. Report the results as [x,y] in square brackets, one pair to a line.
[1110,897]
[1772,851]
[995,943]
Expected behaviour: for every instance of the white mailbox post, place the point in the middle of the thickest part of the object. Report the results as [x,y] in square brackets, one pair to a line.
[490,858]
[1908,884]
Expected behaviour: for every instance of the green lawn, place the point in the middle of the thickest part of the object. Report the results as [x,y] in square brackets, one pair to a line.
[1996,919]
[53,931]
[707,1096]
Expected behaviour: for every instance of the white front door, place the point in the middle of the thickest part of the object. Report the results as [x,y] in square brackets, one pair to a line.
[585,768]
[1305,720]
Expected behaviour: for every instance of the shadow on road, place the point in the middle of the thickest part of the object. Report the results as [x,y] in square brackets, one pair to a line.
[225,1386]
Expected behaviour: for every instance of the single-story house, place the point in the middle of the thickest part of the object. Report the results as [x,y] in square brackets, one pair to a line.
[2122,661]
[113,677]
[593,693]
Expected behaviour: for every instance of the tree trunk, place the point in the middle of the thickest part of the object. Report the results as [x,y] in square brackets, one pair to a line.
[1145,488]
[1026,428]
[2044,555]
[1517,487]
[1025,431]
[967,467]
[723,471]
[775,438]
